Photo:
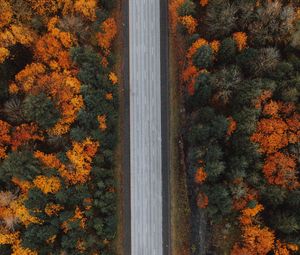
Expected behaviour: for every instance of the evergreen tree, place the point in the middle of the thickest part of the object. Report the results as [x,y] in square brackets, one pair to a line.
[187,8]
[227,51]
[20,164]
[220,18]
[40,109]
[203,57]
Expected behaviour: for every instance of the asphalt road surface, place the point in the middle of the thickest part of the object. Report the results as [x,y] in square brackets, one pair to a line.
[145,128]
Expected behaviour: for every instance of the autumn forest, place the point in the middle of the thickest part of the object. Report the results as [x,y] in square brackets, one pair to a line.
[234,69]
[59,107]
[239,80]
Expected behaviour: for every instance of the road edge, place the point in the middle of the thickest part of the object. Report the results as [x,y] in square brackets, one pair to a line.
[165,125]
[126,131]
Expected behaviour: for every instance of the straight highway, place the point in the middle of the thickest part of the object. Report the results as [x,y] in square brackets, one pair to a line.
[145,128]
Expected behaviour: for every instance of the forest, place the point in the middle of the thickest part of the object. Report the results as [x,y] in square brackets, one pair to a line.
[239,70]
[58,127]
[238,64]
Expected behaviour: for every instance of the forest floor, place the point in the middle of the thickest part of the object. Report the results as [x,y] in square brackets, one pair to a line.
[180,212]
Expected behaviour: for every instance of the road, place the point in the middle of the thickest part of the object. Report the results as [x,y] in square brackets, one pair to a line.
[145,128]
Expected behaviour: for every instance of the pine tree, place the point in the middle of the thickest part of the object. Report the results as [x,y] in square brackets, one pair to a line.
[46,114]
[203,58]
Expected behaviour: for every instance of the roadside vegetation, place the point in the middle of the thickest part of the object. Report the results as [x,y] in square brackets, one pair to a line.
[58,127]
[240,80]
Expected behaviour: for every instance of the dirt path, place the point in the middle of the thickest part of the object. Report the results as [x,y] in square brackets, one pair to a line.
[180,212]
[122,242]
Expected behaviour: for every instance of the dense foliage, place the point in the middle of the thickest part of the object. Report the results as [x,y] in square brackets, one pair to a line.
[241,80]
[58,127]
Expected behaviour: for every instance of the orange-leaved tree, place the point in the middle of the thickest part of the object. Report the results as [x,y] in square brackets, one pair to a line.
[4,138]
[13,30]
[173,10]
[256,239]
[279,127]
[107,34]
[241,40]
[189,22]
[280,169]
[203,2]
[23,134]
[80,159]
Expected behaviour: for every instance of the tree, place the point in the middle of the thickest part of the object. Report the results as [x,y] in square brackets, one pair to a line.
[220,202]
[275,133]
[21,165]
[4,138]
[87,8]
[36,236]
[189,77]
[203,2]
[24,134]
[258,62]
[13,110]
[102,122]
[195,46]
[6,13]
[187,8]
[113,78]
[4,53]
[232,126]
[47,184]
[46,114]
[281,249]
[256,240]
[26,78]
[44,7]
[241,40]
[203,58]
[173,10]
[219,127]
[227,51]
[202,200]
[225,83]
[200,175]
[273,196]
[286,222]
[108,4]
[189,23]
[87,60]
[280,169]
[108,33]
[65,89]
[53,50]
[272,19]
[220,18]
